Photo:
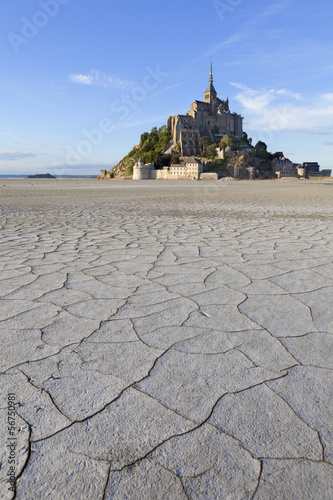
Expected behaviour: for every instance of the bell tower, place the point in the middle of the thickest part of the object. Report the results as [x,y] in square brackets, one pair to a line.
[210,94]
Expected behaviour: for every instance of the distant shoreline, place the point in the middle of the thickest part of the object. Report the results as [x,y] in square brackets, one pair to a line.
[56,177]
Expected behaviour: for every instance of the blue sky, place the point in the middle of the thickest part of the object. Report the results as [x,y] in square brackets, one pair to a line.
[82,79]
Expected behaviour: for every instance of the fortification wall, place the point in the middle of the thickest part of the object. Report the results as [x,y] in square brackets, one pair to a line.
[209,176]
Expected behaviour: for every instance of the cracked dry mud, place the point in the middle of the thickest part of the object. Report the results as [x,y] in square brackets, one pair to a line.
[167,340]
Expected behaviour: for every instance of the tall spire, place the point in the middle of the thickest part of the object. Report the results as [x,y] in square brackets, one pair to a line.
[210,93]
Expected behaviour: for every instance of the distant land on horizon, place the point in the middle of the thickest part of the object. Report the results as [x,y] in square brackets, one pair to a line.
[24,176]
[41,176]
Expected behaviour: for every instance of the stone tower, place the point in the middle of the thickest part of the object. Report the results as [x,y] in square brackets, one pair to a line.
[142,172]
[210,94]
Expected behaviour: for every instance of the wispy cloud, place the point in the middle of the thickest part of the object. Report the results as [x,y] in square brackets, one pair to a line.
[48,146]
[15,155]
[282,109]
[19,140]
[234,39]
[166,89]
[313,132]
[248,29]
[289,93]
[328,97]
[95,77]
[265,37]
[272,10]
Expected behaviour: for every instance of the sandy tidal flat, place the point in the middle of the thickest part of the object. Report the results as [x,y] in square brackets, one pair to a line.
[166,339]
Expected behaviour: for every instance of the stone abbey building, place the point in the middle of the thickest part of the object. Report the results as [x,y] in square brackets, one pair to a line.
[205,118]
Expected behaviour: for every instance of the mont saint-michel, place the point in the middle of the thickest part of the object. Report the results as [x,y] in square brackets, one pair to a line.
[208,142]
[211,118]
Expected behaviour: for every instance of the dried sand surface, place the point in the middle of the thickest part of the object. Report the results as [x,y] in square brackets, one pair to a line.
[166,339]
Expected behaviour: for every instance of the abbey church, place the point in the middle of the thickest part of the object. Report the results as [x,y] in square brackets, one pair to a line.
[210,117]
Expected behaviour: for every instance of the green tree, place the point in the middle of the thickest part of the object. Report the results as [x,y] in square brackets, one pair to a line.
[246,139]
[162,129]
[158,159]
[164,138]
[226,142]
[204,141]
[143,138]
[235,143]
[175,159]
[211,150]
[146,147]
[260,146]
[147,157]
[153,137]
[261,151]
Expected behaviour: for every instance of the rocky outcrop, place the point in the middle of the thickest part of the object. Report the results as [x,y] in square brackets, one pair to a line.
[125,167]
[104,174]
[241,161]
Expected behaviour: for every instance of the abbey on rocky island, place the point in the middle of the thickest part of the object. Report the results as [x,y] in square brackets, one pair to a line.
[211,117]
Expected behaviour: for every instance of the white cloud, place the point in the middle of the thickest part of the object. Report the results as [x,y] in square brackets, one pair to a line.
[96,78]
[83,79]
[282,109]
[328,97]
[258,100]
[289,93]
[254,100]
